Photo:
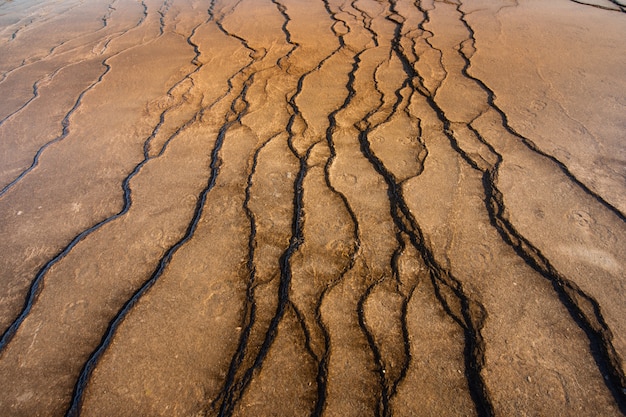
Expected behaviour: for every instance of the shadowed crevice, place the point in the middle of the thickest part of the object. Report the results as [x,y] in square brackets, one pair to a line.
[216,162]
[37,283]
[506,125]
[472,313]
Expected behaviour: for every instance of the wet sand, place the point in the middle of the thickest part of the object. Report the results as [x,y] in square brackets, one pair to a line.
[312,208]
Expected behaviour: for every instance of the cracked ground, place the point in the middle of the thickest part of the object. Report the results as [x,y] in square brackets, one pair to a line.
[312,208]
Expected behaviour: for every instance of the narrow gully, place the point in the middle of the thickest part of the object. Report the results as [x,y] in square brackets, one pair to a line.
[506,125]
[472,312]
[92,362]
[36,284]
[599,335]
[596,329]
[65,123]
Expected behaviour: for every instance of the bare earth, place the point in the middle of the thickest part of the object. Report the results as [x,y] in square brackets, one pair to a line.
[312,208]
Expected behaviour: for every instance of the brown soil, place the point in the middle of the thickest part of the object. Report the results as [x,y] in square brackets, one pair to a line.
[307,208]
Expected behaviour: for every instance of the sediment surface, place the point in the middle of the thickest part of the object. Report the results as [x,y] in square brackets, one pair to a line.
[312,208]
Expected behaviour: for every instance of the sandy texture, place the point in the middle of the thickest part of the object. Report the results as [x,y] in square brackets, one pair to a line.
[312,208]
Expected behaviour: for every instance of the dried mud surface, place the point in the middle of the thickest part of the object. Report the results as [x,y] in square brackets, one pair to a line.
[312,208]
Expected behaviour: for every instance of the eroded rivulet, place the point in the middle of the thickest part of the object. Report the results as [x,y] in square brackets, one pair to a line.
[288,207]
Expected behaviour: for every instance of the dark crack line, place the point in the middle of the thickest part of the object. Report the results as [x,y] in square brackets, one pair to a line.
[619,4]
[65,123]
[40,21]
[597,331]
[367,22]
[144,14]
[233,117]
[305,331]
[66,129]
[221,27]
[406,296]
[470,322]
[242,71]
[36,285]
[321,393]
[323,365]
[383,402]
[34,96]
[106,18]
[620,8]
[387,388]
[234,390]
[215,165]
[34,289]
[165,8]
[322,371]
[322,374]
[595,327]
[46,78]
[505,123]
[421,26]
[234,394]
[599,334]
[383,408]
[406,299]
[189,76]
[250,307]
[334,18]
[286,19]
[322,362]
[473,313]
[110,9]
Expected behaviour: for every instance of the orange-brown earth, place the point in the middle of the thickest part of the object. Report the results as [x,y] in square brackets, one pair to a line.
[312,208]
